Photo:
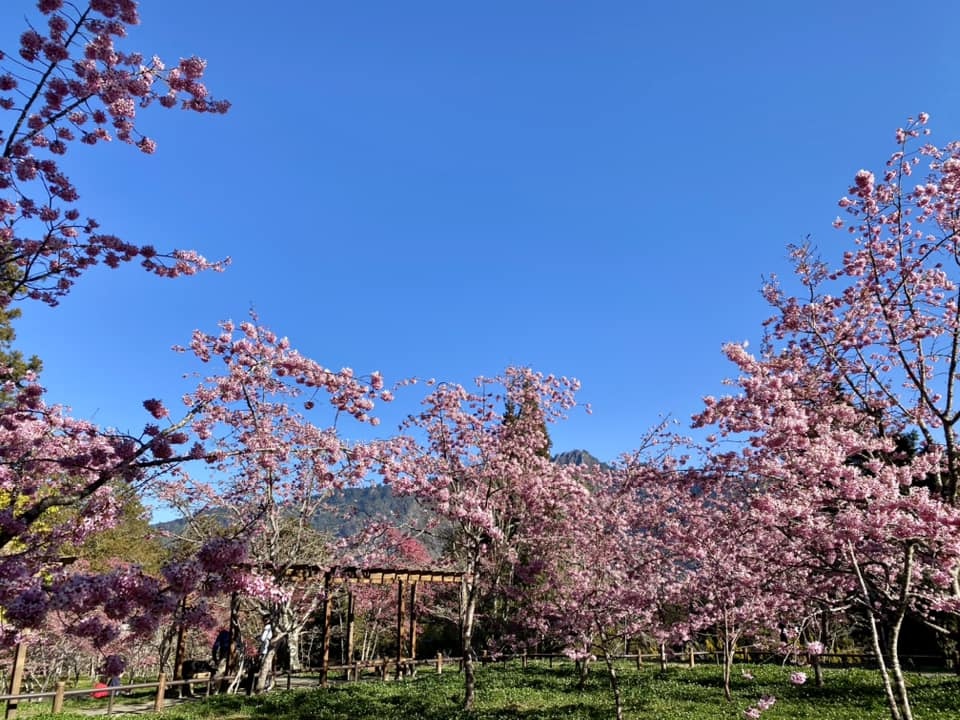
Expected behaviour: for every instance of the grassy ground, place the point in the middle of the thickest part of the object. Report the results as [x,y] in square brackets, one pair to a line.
[543,693]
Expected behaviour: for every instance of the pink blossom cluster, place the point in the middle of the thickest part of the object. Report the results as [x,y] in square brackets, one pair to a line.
[71,83]
[761,706]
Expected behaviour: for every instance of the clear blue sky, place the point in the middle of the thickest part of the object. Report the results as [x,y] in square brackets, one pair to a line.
[441,189]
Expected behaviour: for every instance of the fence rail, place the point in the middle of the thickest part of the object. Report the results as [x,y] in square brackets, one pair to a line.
[60,693]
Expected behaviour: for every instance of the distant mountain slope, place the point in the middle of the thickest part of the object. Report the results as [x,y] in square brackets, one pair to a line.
[577,457]
[348,511]
[354,507]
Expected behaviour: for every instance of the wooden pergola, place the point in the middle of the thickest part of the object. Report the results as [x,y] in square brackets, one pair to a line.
[373,576]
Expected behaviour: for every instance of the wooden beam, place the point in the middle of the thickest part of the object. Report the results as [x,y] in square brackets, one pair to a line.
[372,576]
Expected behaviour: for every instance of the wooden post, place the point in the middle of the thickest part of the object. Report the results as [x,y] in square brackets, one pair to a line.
[439,663]
[400,619]
[348,660]
[325,644]
[461,617]
[383,669]
[413,627]
[523,660]
[663,656]
[161,690]
[16,679]
[693,662]
[58,698]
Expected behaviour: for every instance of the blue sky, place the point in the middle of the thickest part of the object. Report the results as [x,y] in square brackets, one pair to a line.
[441,189]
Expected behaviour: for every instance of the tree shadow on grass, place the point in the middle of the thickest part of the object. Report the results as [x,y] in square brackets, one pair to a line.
[339,703]
[424,701]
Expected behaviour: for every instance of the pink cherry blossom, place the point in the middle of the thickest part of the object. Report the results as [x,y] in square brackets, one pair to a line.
[844,420]
[483,467]
[814,648]
[82,74]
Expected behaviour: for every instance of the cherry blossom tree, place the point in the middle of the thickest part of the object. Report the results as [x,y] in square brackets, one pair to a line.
[730,587]
[656,547]
[483,472]
[58,478]
[866,356]
[602,569]
[275,470]
[69,82]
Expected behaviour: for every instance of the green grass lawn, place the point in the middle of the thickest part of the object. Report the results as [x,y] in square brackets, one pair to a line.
[543,693]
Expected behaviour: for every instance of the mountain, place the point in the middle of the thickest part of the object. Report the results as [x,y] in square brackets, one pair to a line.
[577,457]
[348,511]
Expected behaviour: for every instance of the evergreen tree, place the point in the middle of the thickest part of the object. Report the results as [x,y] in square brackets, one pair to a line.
[13,365]
[131,540]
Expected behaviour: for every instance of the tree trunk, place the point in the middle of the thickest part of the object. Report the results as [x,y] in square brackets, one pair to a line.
[816,659]
[469,679]
[289,625]
[730,638]
[293,648]
[727,671]
[266,669]
[583,669]
[892,703]
[614,683]
[900,683]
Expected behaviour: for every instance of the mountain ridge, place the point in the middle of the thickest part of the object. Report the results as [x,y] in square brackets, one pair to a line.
[349,509]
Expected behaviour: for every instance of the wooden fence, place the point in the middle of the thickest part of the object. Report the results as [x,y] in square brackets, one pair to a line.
[60,693]
[754,656]
[384,669]
[380,669]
